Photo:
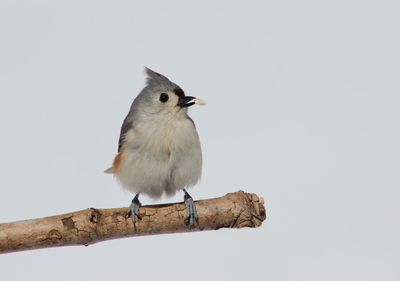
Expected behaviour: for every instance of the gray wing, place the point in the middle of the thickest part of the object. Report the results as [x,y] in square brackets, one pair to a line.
[126,126]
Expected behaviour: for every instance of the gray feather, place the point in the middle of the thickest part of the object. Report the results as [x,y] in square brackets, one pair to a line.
[155,77]
[155,81]
[109,171]
[126,126]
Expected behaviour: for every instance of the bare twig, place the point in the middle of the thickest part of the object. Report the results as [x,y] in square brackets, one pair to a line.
[90,226]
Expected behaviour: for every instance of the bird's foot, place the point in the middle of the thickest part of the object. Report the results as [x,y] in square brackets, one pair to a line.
[191,213]
[133,210]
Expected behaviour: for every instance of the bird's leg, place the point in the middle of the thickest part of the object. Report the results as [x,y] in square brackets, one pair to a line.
[191,213]
[133,209]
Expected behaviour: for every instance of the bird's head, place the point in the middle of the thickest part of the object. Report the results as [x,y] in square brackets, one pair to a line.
[163,97]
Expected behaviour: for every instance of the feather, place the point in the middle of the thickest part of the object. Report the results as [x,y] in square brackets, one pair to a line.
[109,171]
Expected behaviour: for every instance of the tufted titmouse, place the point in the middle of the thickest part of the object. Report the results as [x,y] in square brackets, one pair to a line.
[159,149]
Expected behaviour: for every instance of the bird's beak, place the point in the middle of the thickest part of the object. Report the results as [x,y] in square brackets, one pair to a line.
[186,101]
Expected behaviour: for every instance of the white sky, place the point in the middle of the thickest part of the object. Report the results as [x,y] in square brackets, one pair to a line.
[303,109]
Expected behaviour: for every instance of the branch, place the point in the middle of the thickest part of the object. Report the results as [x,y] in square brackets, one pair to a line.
[90,226]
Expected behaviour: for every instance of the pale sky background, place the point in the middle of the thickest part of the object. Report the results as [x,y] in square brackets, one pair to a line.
[303,109]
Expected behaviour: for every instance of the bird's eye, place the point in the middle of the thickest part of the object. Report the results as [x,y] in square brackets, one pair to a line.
[164,97]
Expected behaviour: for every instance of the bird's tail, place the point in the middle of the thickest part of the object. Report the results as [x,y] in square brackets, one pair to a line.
[109,171]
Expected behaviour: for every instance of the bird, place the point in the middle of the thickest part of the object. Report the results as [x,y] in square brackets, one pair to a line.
[159,151]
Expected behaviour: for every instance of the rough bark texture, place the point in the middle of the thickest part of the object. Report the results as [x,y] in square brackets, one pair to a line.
[89,226]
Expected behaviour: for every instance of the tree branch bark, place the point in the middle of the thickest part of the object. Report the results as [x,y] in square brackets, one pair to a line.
[89,226]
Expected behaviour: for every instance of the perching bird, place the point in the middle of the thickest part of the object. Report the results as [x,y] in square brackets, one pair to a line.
[159,149]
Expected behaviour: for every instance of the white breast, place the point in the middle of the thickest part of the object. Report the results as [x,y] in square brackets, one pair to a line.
[161,156]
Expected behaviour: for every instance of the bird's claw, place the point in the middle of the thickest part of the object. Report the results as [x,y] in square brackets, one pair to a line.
[133,210]
[191,213]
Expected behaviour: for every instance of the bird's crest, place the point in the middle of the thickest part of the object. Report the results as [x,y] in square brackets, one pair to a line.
[155,78]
